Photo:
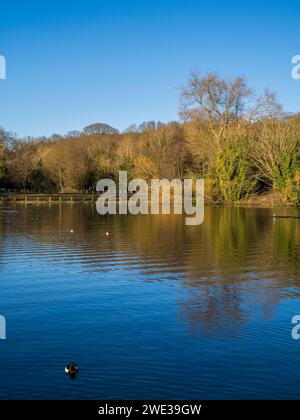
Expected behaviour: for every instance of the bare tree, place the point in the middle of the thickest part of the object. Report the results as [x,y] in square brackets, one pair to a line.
[99,128]
[218,101]
[264,107]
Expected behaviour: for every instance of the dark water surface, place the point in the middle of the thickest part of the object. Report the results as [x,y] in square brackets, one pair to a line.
[156,309]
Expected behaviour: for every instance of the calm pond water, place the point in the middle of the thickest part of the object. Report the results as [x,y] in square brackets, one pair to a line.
[156,309]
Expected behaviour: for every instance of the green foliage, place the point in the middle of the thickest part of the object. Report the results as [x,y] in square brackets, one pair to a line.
[285,170]
[232,171]
[39,181]
[127,165]
[90,179]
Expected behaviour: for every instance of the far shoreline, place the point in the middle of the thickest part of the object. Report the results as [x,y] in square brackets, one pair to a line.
[265,200]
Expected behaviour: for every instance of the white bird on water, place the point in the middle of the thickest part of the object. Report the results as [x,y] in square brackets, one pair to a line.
[71,231]
[107,234]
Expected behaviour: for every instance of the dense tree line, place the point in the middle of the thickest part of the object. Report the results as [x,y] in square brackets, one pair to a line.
[239,142]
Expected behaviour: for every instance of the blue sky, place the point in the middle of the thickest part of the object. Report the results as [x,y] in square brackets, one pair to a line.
[72,63]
